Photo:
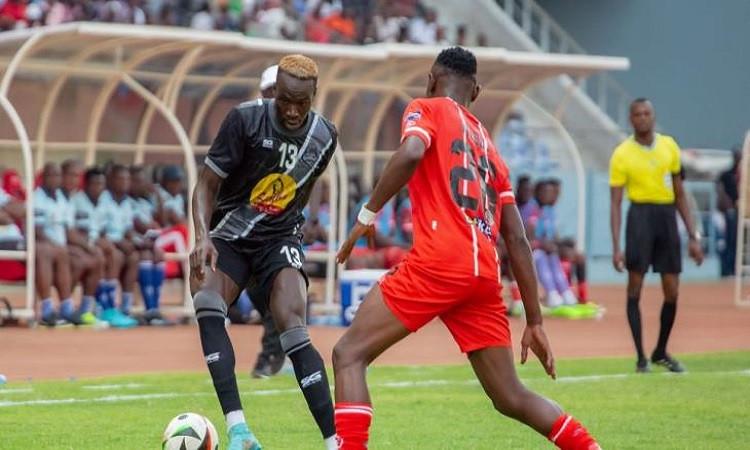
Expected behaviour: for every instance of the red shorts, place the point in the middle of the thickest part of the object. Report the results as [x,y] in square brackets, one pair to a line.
[471,307]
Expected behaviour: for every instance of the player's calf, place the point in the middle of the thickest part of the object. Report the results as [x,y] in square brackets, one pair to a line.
[311,376]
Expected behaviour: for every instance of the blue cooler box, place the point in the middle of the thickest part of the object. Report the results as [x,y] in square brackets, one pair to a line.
[354,285]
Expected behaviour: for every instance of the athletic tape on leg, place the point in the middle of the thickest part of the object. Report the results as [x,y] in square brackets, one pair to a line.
[294,339]
[209,304]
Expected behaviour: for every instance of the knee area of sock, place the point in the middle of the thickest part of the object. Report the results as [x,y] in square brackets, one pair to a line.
[294,339]
[670,300]
[209,304]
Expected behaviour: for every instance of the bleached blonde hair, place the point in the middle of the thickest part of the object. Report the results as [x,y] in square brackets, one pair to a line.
[299,66]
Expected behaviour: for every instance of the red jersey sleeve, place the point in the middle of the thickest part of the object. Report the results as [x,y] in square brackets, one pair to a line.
[504,188]
[419,120]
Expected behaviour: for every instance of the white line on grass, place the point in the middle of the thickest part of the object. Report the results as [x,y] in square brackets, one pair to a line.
[15,391]
[112,387]
[391,385]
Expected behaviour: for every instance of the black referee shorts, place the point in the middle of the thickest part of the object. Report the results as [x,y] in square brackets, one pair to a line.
[652,239]
[253,265]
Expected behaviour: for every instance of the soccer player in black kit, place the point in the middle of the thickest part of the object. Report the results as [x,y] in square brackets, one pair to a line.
[247,209]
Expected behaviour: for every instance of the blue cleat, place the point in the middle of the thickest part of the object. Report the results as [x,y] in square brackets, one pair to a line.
[241,438]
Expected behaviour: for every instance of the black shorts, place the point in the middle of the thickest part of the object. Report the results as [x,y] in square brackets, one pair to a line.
[253,265]
[652,239]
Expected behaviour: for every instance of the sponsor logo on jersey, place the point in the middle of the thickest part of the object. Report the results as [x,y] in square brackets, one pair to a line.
[267,143]
[212,358]
[273,193]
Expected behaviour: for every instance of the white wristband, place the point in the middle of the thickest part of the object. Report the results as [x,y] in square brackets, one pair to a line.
[366,217]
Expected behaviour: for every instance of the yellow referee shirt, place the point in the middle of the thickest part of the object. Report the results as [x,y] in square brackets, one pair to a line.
[646,172]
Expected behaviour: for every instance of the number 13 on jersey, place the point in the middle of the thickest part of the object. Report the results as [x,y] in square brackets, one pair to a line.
[288,155]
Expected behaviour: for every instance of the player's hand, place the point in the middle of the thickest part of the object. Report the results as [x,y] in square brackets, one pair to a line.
[204,252]
[534,337]
[618,261]
[357,232]
[695,251]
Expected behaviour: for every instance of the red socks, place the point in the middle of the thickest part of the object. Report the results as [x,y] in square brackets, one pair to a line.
[353,425]
[583,292]
[568,434]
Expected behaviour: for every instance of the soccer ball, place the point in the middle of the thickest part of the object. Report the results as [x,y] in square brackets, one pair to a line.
[190,431]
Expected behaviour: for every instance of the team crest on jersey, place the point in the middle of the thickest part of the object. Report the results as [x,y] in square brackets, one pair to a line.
[267,143]
[412,117]
[273,193]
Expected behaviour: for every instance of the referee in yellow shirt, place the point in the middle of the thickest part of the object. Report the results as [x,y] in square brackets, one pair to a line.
[647,164]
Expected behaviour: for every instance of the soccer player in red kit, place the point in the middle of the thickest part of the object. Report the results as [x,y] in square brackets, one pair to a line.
[461,199]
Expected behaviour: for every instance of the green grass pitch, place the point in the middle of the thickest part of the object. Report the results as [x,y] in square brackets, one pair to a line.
[438,407]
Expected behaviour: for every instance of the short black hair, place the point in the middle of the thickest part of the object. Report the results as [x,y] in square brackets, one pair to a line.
[458,60]
[136,169]
[639,100]
[91,173]
[69,164]
[116,168]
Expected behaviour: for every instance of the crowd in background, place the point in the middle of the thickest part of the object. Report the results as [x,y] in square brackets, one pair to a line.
[324,21]
[106,229]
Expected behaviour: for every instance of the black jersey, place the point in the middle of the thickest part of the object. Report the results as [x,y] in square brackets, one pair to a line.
[268,171]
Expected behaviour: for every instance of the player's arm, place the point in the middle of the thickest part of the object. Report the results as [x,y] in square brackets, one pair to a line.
[223,157]
[615,222]
[204,202]
[694,246]
[519,254]
[396,174]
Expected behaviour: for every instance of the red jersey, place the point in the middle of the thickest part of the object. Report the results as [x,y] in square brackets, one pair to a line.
[457,191]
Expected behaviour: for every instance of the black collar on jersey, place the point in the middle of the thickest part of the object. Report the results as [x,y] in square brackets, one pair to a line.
[281,129]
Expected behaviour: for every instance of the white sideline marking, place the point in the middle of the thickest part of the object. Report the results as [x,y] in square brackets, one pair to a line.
[113,387]
[392,384]
[15,391]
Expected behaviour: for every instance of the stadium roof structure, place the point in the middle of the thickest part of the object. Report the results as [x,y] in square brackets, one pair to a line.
[157,63]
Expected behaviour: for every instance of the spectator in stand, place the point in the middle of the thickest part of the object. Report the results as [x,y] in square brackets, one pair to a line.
[54,264]
[60,12]
[13,185]
[171,214]
[423,29]
[527,206]
[482,40]
[87,260]
[226,20]
[118,229]
[274,21]
[143,262]
[727,190]
[542,225]
[13,15]
[342,27]
[150,276]
[461,39]
[170,192]
[91,211]
[316,29]
[203,20]
[573,261]
[12,212]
